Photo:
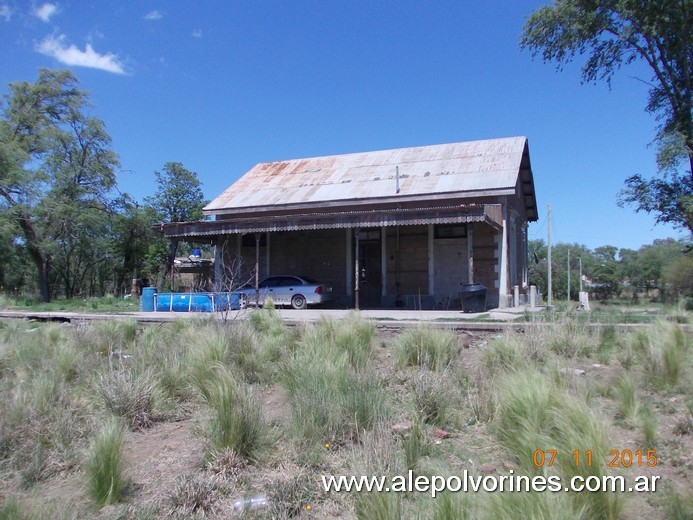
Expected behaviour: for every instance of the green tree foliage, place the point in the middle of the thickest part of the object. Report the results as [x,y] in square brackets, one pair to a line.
[131,242]
[56,172]
[662,266]
[679,275]
[612,33]
[645,268]
[178,198]
[606,271]
[538,271]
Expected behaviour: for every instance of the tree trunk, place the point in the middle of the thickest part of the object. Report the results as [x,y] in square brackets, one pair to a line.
[41,263]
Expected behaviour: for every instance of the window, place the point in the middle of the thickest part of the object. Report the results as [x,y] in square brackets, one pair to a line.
[450,231]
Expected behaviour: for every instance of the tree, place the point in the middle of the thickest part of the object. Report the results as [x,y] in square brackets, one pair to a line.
[538,269]
[132,238]
[56,170]
[613,33]
[679,276]
[178,198]
[606,273]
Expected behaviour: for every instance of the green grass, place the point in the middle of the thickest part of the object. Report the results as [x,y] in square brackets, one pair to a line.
[108,304]
[378,506]
[534,413]
[500,403]
[334,394]
[507,352]
[626,399]
[104,468]
[664,353]
[427,347]
[236,422]
[130,395]
[435,398]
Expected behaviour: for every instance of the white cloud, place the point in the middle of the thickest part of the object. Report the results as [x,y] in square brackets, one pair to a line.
[46,11]
[56,48]
[154,15]
[6,12]
[197,33]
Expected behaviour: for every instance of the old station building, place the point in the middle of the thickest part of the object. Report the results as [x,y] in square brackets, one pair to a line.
[394,228]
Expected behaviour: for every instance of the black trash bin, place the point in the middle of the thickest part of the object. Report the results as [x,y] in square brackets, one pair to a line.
[473,297]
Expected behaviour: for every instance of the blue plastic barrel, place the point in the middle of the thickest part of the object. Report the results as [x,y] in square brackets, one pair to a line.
[147,301]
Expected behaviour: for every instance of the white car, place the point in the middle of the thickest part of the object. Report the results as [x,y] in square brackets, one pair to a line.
[297,291]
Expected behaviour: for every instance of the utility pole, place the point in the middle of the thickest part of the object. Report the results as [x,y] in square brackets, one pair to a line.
[580,273]
[568,275]
[548,218]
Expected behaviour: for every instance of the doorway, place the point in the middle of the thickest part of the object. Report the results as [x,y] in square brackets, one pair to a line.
[370,272]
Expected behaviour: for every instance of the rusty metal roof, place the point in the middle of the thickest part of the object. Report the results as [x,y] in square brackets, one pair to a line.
[491,214]
[464,169]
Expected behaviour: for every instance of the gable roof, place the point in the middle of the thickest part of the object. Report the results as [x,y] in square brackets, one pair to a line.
[463,170]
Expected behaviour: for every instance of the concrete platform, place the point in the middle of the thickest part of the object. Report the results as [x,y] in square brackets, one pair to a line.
[496,319]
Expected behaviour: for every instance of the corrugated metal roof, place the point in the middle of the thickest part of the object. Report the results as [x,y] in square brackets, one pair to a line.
[448,168]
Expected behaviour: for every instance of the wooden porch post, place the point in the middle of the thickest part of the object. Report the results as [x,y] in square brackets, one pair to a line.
[257,268]
[267,255]
[357,274]
[383,260]
[503,262]
[470,252]
[431,264]
[349,264]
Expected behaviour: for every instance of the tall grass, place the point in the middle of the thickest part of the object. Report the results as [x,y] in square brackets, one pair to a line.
[452,506]
[378,506]
[427,347]
[570,339]
[664,354]
[329,402]
[333,392]
[104,468]
[40,422]
[534,506]
[236,420]
[434,398]
[507,352]
[535,413]
[626,398]
[130,395]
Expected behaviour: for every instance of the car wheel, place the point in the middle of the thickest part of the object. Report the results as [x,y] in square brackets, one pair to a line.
[298,302]
[242,301]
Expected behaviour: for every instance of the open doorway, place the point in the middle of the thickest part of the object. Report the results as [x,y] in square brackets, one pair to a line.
[370,270]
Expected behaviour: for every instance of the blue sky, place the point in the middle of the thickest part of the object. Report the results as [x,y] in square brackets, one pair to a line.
[220,86]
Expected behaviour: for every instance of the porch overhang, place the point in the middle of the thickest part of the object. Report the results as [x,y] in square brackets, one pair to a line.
[490,214]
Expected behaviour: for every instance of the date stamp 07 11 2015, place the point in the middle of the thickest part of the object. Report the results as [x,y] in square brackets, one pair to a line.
[616,458]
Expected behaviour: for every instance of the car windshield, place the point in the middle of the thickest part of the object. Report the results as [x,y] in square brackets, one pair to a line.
[309,280]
